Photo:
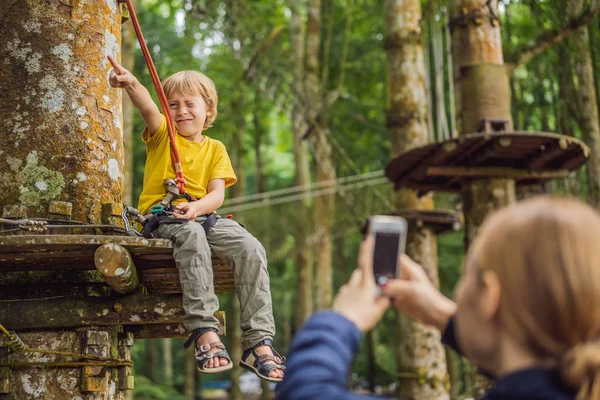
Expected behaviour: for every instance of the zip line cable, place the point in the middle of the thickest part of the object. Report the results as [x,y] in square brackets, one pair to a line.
[303,188]
[304,195]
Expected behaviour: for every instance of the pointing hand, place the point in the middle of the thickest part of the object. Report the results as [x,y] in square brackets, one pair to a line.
[120,77]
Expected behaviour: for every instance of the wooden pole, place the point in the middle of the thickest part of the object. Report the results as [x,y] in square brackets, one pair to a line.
[115,264]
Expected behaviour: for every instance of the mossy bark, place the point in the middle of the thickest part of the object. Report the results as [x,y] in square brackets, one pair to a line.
[34,383]
[61,121]
[62,142]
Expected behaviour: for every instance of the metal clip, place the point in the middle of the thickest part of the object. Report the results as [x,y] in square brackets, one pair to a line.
[127,210]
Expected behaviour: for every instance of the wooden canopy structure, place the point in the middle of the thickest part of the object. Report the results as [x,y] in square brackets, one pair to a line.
[527,157]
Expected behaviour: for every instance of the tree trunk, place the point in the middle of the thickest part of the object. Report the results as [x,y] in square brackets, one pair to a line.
[190,375]
[259,133]
[513,85]
[62,141]
[593,34]
[237,190]
[235,333]
[371,364]
[128,61]
[29,383]
[304,259]
[62,120]
[324,209]
[482,89]
[420,348]
[482,92]
[585,98]
[324,205]
[420,351]
[151,357]
[168,361]
[266,393]
[567,111]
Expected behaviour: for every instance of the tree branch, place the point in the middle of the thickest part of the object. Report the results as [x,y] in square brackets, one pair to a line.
[523,54]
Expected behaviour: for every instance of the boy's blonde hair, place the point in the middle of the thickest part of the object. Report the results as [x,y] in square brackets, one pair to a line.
[546,254]
[194,83]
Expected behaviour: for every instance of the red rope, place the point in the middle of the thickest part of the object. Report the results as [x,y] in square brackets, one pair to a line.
[162,98]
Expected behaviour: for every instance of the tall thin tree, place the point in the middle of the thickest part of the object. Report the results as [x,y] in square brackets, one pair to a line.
[304,258]
[420,348]
[586,99]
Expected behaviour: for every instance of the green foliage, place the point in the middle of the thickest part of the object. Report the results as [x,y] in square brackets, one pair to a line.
[236,43]
[147,390]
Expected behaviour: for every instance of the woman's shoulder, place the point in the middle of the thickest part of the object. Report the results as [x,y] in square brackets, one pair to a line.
[531,384]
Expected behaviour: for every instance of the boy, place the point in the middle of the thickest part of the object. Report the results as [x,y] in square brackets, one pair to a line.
[192,101]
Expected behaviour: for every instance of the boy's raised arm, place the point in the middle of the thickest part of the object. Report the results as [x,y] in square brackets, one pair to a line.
[140,97]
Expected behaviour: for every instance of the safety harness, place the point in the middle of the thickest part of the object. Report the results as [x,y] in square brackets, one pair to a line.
[162,214]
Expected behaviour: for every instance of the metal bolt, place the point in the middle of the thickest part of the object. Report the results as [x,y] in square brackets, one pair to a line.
[117,306]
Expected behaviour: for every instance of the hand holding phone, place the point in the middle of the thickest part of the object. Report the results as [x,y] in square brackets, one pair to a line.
[357,299]
[389,233]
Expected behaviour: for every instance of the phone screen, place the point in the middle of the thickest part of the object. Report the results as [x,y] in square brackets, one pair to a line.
[385,256]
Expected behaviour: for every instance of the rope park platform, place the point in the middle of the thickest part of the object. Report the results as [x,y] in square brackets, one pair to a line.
[527,157]
[57,281]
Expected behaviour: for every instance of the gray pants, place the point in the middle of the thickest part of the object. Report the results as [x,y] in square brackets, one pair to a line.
[238,248]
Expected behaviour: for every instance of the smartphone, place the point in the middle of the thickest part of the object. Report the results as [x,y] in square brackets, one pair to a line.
[389,233]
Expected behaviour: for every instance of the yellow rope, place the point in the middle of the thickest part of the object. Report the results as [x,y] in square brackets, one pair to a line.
[15,343]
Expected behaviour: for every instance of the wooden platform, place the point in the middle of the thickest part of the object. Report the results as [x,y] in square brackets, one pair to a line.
[35,266]
[527,157]
[440,221]
[51,282]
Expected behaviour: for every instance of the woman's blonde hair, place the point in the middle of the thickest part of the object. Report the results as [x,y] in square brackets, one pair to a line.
[194,83]
[546,253]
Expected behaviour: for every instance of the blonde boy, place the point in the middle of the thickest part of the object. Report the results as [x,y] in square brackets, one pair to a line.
[192,101]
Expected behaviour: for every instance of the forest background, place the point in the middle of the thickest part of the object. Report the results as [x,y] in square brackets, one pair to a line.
[273,64]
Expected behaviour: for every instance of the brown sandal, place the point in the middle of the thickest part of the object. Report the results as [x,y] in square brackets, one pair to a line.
[202,352]
[203,355]
[256,363]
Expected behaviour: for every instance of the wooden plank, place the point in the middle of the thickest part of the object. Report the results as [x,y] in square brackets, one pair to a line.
[61,242]
[50,277]
[543,156]
[44,291]
[156,331]
[441,155]
[61,313]
[439,221]
[496,172]
[425,187]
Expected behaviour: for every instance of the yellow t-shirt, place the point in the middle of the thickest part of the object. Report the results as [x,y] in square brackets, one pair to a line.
[200,162]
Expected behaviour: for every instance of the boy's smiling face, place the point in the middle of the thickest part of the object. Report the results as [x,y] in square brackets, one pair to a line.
[189,114]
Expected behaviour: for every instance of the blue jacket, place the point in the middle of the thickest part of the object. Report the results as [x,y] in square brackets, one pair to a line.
[321,355]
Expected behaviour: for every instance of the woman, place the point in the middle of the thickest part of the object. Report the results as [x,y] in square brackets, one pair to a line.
[527,309]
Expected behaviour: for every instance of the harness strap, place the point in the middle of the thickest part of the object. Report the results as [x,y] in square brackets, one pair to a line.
[155,220]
